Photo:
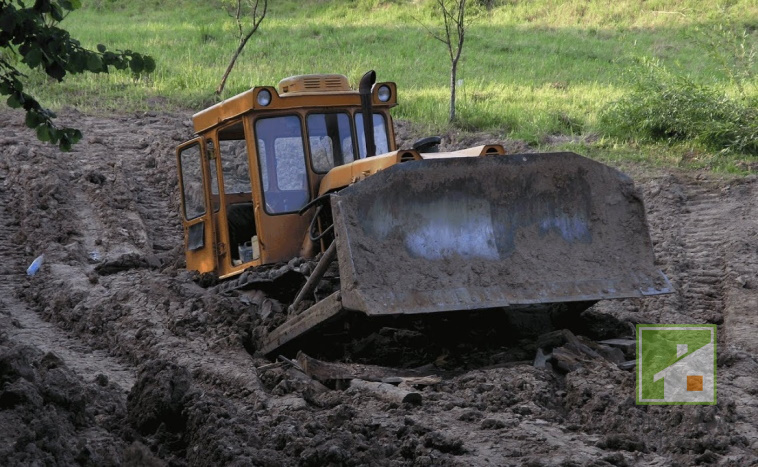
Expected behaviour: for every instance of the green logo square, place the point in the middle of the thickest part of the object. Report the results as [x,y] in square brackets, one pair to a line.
[676,364]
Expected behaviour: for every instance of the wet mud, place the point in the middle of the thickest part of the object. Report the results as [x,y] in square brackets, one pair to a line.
[114,354]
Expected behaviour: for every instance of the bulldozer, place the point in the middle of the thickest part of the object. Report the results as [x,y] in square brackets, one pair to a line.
[309,173]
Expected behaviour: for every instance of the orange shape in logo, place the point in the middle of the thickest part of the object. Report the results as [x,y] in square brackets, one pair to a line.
[694,383]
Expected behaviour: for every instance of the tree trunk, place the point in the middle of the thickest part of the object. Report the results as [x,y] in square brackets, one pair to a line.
[228,71]
[453,71]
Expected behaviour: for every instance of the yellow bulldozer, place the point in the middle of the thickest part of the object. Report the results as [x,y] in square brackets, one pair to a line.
[309,173]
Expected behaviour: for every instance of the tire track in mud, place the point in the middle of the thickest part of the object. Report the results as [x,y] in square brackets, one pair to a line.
[706,234]
[28,328]
[133,206]
[703,247]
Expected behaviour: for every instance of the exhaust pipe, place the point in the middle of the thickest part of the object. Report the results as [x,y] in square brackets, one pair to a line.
[364,88]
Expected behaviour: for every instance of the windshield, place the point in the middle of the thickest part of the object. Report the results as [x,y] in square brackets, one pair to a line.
[330,139]
[282,163]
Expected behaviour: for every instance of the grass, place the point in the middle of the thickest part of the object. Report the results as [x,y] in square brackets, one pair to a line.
[529,69]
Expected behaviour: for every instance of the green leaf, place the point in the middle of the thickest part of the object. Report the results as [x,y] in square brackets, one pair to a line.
[33,57]
[77,62]
[94,64]
[136,63]
[33,119]
[14,100]
[8,19]
[74,136]
[109,57]
[65,144]
[149,64]
[42,6]
[43,133]
[54,70]
[28,102]
[56,13]
[54,134]
[70,5]
[101,48]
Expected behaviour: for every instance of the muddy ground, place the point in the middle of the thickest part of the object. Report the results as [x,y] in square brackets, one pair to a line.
[113,355]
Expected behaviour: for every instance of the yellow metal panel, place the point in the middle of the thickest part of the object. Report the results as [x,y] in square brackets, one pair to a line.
[347,174]
[476,151]
[314,83]
[304,99]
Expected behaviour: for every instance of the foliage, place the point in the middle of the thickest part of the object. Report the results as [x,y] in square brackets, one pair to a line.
[734,50]
[32,33]
[667,107]
[531,69]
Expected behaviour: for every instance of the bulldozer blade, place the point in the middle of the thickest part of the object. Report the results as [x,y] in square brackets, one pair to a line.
[494,231]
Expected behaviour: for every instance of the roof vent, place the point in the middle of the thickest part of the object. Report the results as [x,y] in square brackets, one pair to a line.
[313,83]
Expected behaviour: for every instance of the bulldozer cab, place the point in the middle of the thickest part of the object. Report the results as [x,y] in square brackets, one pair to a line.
[259,158]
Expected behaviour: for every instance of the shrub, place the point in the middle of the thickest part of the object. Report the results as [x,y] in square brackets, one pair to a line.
[666,107]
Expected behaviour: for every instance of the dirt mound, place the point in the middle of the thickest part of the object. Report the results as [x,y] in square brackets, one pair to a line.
[113,354]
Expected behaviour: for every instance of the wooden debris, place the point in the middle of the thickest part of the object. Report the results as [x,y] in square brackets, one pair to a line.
[331,372]
[628,365]
[292,363]
[387,392]
[269,366]
[314,386]
[628,346]
[566,360]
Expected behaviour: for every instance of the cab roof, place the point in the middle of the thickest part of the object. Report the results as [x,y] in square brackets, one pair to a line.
[295,92]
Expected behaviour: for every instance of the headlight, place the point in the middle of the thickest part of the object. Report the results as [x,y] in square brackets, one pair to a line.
[264,97]
[384,93]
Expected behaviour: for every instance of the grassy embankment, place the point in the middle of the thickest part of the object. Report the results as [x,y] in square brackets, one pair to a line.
[529,69]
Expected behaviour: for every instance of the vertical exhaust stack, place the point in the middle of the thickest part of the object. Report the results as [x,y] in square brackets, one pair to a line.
[364,88]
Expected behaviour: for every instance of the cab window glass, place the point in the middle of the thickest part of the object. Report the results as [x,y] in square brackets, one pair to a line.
[211,156]
[234,166]
[330,140]
[192,182]
[282,163]
[380,134]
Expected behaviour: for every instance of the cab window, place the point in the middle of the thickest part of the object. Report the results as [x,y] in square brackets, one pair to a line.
[380,134]
[281,157]
[192,182]
[330,140]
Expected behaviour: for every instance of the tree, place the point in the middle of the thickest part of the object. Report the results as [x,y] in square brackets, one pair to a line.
[453,17]
[32,34]
[242,35]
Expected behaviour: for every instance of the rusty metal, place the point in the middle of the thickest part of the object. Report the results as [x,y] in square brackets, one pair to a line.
[327,309]
[329,255]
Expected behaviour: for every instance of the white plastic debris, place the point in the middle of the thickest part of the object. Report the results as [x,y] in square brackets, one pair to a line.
[36,264]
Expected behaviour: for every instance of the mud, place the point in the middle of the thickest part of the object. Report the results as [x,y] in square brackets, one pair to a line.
[113,355]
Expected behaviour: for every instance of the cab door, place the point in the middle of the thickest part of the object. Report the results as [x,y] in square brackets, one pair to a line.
[197,212]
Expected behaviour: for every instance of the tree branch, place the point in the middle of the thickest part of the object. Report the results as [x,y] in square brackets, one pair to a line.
[243,39]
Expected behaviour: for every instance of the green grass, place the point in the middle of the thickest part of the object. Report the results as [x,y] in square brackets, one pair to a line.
[529,68]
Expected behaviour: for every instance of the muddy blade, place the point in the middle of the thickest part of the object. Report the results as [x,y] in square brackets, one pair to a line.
[496,231]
